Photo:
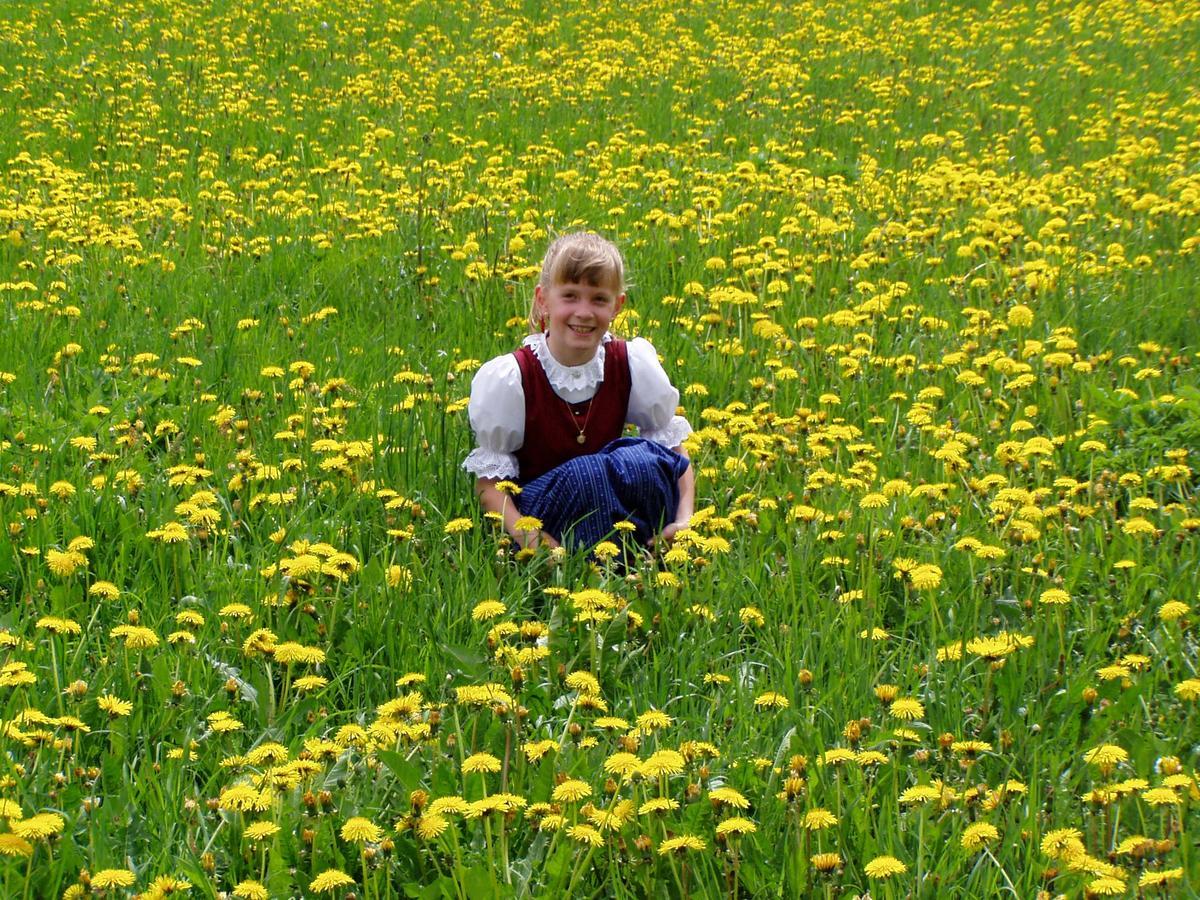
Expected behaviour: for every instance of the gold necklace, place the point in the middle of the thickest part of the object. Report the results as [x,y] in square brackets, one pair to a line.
[582,438]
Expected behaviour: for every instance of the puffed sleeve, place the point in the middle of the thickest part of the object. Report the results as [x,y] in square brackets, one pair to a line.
[652,398]
[497,413]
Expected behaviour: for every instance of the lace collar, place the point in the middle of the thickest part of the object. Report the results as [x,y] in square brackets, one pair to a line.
[568,379]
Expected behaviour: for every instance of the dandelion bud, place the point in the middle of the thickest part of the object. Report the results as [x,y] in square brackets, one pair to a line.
[575,730]
[826,862]
[1170,765]
[1089,695]
[852,732]
[945,740]
[178,689]
[325,798]
[693,792]
[231,688]
[522,713]
[309,799]
[922,755]
[805,677]
[629,743]
[134,617]
[387,845]
[1162,848]
[517,675]
[208,862]
[307,835]
[213,804]
[418,799]
[643,843]
[886,693]
[76,689]
[610,787]
[798,763]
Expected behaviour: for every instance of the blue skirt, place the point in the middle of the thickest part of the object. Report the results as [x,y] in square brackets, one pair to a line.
[629,479]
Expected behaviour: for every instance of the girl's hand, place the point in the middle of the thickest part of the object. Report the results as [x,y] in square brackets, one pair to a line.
[532,540]
[669,533]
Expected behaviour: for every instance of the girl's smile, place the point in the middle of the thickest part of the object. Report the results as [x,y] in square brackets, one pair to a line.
[575,317]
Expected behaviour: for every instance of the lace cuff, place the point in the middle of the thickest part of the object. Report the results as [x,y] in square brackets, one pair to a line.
[670,435]
[491,464]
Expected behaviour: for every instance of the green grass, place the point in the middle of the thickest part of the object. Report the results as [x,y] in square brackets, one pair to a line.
[851,231]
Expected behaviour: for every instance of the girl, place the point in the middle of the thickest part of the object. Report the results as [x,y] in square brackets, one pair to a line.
[550,415]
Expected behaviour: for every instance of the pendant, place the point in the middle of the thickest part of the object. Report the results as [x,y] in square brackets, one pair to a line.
[582,439]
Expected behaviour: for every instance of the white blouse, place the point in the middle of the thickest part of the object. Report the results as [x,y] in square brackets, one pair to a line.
[497,406]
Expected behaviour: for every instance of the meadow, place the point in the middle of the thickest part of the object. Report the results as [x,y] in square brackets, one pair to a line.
[925,275]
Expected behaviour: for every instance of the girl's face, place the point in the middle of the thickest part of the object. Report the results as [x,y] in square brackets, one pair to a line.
[576,316]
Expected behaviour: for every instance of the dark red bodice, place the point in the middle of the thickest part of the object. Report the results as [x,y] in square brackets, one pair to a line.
[552,425]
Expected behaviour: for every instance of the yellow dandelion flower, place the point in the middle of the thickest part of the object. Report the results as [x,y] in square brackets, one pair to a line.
[15,845]
[1063,843]
[261,831]
[1054,597]
[488,609]
[907,708]
[662,762]
[571,791]
[431,825]
[737,825]
[105,590]
[979,834]
[771,700]
[819,819]
[658,805]
[727,796]
[586,834]
[885,867]
[681,844]
[112,878]
[480,762]
[329,881]
[359,829]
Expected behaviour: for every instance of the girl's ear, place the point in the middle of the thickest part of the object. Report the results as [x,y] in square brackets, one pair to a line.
[539,307]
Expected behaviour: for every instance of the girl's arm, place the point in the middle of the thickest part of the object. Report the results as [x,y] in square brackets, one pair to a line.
[687,502]
[495,500]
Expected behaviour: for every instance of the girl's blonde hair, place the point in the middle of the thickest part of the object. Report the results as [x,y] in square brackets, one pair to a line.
[579,257]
